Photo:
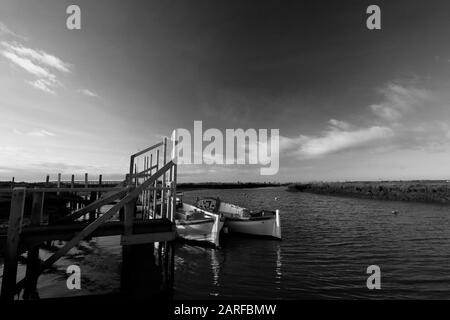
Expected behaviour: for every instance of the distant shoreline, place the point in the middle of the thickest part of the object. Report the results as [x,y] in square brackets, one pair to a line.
[426,191]
[413,191]
[230,185]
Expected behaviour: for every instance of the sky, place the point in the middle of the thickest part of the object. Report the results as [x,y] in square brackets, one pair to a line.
[350,103]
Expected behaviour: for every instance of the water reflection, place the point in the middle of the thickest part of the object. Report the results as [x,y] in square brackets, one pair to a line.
[328,242]
[215,267]
[278,269]
[241,268]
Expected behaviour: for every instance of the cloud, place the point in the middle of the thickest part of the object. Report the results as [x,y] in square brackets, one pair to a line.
[43,85]
[399,100]
[337,124]
[39,56]
[29,66]
[4,30]
[41,133]
[88,93]
[405,120]
[334,140]
[40,64]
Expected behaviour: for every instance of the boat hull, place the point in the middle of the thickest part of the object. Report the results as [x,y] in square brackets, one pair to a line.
[268,227]
[203,230]
[199,231]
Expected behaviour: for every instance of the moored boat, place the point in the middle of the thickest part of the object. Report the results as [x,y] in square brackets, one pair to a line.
[242,220]
[196,224]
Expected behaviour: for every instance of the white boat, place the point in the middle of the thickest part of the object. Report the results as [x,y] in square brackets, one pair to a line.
[196,224]
[242,220]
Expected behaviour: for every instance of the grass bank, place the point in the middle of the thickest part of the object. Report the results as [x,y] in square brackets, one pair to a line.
[419,191]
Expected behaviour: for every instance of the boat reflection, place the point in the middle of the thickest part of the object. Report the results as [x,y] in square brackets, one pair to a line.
[242,265]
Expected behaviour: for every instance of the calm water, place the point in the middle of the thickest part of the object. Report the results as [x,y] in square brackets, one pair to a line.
[328,242]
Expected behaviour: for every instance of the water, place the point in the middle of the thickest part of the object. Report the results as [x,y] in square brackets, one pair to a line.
[328,243]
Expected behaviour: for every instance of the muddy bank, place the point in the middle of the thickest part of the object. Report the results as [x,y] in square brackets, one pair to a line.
[419,191]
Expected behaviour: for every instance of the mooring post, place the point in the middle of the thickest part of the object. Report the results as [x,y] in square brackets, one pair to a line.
[59,182]
[72,185]
[86,180]
[12,244]
[47,179]
[128,219]
[140,277]
[92,198]
[33,262]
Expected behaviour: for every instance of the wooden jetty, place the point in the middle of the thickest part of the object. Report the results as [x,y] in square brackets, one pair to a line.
[146,234]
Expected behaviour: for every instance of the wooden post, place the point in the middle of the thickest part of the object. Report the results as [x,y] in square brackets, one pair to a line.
[33,262]
[58,185]
[150,192]
[86,197]
[169,194]
[12,183]
[92,198]
[155,192]
[99,194]
[174,193]
[130,177]
[163,193]
[72,185]
[144,192]
[127,249]
[12,244]
[140,277]
[47,179]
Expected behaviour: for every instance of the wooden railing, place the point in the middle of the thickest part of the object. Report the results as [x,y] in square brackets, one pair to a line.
[151,187]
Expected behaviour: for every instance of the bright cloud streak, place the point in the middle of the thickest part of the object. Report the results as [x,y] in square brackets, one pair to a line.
[39,56]
[38,63]
[335,140]
[88,93]
[41,133]
[399,100]
[28,65]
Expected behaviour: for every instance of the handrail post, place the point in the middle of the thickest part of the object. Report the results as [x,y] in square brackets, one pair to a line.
[174,192]
[155,192]
[130,176]
[12,244]
[163,193]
